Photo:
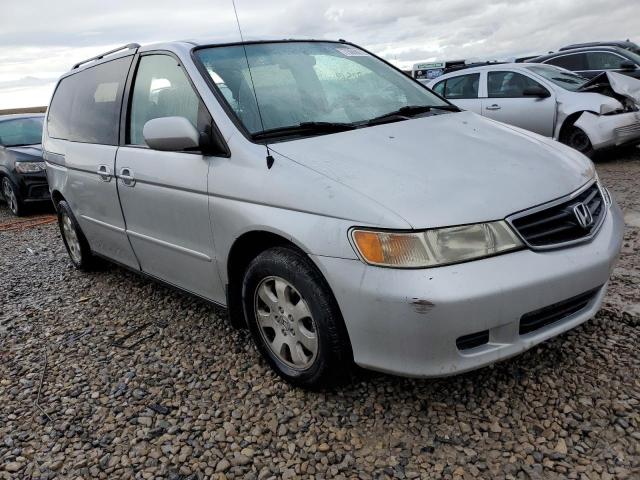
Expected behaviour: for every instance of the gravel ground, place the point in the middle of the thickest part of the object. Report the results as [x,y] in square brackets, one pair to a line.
[109,375]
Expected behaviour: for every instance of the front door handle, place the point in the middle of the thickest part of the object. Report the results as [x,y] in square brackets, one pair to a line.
[495,106]
[127,178]
[104,172]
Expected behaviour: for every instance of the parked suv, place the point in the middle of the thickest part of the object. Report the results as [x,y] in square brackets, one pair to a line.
[341,211]
[23,180]
[589,62]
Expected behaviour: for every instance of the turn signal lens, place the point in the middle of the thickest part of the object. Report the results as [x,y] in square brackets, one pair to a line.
[392,249]
[435,247]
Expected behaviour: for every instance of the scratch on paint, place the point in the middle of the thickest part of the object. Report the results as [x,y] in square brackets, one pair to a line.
[422,306]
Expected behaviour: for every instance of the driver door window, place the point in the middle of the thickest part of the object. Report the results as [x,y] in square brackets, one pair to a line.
[605,61]
[507,102]
[162,89]
[509,84]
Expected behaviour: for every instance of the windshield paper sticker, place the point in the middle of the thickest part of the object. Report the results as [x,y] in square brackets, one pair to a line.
[352,52]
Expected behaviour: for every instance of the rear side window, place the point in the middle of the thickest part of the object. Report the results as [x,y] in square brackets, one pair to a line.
[464,86]
[509,84]
[162,89]
[86,106]
[577,61]
[456,88]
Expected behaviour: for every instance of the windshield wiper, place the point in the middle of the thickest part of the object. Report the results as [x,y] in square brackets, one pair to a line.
[304,128]
[408,111]
[566,80]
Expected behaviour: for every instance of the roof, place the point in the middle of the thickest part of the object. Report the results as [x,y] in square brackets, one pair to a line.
[484,68]
[606,48]
[617,43]
[180,46]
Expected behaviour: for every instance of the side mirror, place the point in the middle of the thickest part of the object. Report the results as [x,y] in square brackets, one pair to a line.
[171,134]
[628,66]
[536,92]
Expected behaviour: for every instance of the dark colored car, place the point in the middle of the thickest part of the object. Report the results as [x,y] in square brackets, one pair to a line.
[23,178]
[589,62]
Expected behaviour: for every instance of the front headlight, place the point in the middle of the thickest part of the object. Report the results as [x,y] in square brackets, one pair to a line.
[435,247]
[29,167]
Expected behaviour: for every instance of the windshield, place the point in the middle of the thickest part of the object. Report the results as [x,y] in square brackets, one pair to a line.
[309,82]
[21,131]
[563,78]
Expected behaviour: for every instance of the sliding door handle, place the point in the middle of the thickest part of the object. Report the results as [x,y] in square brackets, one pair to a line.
[104,172]
[126,177]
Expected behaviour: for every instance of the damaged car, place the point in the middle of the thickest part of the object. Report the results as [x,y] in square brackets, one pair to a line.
[588,115]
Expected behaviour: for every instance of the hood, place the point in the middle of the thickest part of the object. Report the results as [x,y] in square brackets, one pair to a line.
[448,169]
[28,151]
[621,87]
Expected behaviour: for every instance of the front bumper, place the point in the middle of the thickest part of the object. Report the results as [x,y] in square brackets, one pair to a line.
[34,187]
[407,322]
[605,131]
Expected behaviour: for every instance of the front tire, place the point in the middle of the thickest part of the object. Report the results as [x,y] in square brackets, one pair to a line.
[74,240]
[12,197]
[295,321]
[577,139]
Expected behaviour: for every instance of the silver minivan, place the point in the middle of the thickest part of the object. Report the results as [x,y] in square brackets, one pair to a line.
[339,209]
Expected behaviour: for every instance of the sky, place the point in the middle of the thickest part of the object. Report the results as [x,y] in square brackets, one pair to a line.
[41,39]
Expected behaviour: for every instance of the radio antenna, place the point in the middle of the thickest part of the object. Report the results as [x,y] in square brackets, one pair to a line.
[270,159]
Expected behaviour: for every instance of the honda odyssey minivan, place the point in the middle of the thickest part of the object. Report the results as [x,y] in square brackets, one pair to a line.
[339,209]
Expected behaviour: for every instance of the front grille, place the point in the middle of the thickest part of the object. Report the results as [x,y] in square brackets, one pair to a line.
[558,224]
[627,132]
[537,319]
[39,191]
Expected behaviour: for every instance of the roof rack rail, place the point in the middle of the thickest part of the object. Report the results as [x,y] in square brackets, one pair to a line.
[102,55]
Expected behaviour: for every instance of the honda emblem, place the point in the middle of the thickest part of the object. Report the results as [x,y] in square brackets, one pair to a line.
[583,215]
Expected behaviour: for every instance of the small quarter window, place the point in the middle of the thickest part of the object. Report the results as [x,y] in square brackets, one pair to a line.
[439,88]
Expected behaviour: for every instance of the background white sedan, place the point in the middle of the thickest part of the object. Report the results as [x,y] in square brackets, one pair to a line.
[587,115]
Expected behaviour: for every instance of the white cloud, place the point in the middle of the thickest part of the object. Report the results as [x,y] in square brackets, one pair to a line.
[42,39]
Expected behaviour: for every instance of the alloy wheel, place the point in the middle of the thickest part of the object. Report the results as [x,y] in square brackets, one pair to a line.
[579,140]
[71,238]
[9,195]
[285,323]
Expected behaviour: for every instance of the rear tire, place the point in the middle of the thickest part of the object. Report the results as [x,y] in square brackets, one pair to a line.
[295,321]
[74,240]
[12,197]
[577,139]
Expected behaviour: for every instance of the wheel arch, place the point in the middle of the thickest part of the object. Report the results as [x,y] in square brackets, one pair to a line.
[570,120]
[244,249]
[56,198]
